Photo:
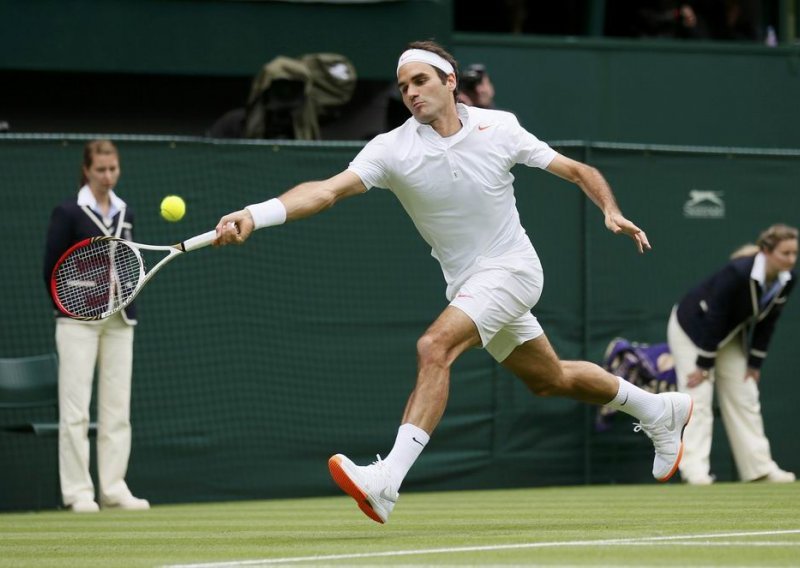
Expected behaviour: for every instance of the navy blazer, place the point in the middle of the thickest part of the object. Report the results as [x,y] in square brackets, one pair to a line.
[727,303]
[70,223]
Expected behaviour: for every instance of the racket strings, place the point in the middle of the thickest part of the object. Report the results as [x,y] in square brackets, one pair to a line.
[98,278]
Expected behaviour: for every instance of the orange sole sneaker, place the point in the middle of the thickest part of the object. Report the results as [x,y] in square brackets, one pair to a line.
[346,484]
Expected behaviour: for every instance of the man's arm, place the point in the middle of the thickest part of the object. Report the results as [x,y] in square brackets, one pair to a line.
[301,201]
[594,185]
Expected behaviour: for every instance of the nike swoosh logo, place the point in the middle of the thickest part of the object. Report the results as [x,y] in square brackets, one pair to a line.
[417,441]
[626,399]
[482,127]
[384,494]
[671,425]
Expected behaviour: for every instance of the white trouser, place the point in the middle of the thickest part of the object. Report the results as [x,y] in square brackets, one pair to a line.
[109,343]
[739,406]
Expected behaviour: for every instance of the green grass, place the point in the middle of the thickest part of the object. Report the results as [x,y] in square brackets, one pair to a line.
[727,524]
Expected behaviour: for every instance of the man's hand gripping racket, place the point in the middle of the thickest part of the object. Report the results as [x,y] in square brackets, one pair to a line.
[97,277]
[235,228]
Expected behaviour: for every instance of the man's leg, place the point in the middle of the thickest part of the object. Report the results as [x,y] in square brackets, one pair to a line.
[536,363]
[375,487]
[449,336]
[662,417]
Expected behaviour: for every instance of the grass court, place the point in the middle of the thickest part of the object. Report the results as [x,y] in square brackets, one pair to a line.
[727,524]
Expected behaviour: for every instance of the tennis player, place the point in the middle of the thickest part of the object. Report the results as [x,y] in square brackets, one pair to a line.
[449,165]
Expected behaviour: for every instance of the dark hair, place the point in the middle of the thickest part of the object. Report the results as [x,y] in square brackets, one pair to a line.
[92,149]
[774,235]
[433,47]
[471,77]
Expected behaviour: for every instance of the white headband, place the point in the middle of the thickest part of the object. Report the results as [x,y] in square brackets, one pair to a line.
[424,56]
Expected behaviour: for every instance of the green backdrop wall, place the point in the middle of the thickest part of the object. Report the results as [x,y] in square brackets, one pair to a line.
[253,364]
[693,93]
[211,37]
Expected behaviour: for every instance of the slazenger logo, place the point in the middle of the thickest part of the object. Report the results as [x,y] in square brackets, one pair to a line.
[704,204]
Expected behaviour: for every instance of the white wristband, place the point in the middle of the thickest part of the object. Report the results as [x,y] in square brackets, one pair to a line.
[268,213]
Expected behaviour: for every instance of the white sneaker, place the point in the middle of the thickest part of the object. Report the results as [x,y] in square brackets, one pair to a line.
[130,503]
[84,507]
[371,486]
[779,476]
[667,433]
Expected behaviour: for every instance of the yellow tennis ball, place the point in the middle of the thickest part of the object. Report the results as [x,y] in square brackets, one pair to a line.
[173,208]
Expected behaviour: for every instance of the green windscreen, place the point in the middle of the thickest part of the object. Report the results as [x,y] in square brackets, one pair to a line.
[254,364]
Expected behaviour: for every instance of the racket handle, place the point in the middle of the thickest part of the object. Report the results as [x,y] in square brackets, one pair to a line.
[199,241]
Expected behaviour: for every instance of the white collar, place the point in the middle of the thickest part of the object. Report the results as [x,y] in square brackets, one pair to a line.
[759,271]
[86,198]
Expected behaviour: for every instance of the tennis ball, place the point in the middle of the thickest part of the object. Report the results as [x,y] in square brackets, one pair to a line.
[173,208]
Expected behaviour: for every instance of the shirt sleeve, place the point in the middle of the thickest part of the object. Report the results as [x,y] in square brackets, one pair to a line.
[716,306]
[60,236]
[526,148]
[371,164]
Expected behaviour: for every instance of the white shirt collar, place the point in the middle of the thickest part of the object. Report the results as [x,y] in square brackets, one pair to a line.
[86,198]
[759,271]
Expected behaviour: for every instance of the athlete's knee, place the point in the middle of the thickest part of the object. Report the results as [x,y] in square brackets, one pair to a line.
[538,367]
[551,385]
[432,350]
[545,382]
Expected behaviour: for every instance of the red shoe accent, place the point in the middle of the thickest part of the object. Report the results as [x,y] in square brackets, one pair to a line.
[347,485]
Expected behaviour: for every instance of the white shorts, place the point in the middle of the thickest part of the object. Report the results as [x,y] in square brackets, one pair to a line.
[498,298]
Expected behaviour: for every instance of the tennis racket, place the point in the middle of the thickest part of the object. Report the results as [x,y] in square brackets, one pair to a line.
[97,277]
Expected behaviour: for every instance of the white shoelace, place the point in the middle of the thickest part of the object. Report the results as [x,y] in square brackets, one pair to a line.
[381,466]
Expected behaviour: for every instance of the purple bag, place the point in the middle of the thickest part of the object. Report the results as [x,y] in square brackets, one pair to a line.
[647,366]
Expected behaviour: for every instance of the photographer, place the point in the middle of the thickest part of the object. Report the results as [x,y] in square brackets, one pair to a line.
[475,88]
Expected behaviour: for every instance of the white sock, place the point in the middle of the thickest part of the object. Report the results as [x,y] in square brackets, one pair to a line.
[408,446]
[645,406]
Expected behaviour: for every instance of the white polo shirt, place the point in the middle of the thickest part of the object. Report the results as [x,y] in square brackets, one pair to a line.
[457,190]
